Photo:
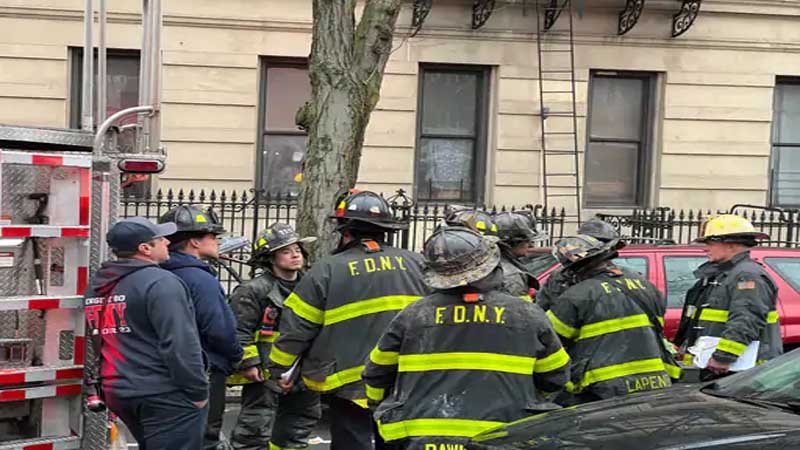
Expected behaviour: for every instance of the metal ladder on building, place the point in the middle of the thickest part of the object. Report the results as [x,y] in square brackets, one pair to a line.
[560,181]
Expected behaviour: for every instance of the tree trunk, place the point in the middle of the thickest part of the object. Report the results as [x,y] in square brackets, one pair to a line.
[346,70]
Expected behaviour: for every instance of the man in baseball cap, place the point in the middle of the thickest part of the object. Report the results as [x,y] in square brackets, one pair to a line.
[152,373]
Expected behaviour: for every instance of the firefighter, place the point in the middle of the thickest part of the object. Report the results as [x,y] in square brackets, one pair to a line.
[194,243]
[560,279]
[282,421]
[515,236]
[339,310]
[734,297]
[610,323]
[467,357]
[479,221]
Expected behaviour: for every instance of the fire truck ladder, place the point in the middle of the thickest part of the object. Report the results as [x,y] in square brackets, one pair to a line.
[560,160]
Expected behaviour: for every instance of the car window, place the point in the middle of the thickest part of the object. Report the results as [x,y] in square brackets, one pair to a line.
[679,273]
[537,264]
[787,268]
[633,263]
[778,380]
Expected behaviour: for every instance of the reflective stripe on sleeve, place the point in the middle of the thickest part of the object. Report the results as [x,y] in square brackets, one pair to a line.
[383,358]
[281,357]
[729,346]
[259,338]
[721,316]
[497,362]
[250,351]
[560,327]
[435,427]
[335,380]
[613,325]
[375,394]
[304,310]
[367,307]
[556,360]
[673,371]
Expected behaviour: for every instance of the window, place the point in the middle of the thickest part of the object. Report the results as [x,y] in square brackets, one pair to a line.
[286,87]
[785,170]
[122,85]
[634,264]
[451,144]
[679,274]
[618,151]
[788,269]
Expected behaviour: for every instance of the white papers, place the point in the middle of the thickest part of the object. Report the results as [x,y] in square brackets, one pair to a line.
[289,374]
[706,345]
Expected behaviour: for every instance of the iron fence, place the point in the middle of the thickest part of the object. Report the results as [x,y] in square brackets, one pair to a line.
[246,213]
[667,225]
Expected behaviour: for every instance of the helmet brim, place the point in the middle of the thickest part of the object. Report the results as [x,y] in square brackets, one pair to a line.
[302,241]
[441,282]
[756,235]
[390,226]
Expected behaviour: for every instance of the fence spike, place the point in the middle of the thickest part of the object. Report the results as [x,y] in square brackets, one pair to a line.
[180,195]
[191,195]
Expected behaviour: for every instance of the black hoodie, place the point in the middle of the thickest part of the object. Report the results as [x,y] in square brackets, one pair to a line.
[150,340]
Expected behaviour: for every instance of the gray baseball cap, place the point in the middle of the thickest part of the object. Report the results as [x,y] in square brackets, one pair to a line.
[127,234]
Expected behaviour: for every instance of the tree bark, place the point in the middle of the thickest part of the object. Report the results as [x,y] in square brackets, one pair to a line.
[346,69]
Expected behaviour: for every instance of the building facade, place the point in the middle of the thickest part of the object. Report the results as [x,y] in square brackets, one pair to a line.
[703,120]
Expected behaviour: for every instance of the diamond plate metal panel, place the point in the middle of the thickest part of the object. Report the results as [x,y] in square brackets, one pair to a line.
[19,181]
[66,344]
[17,137]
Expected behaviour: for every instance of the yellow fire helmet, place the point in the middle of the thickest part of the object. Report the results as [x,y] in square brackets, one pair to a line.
[729,228]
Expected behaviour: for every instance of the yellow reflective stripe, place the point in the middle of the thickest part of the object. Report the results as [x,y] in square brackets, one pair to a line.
[733,347]
[259,338]
[275,447]
[335,380]
[435,427]
[383,358]
[673,371]
[570,386]
[613,325]
[556,360]
[375,394]
[661,321]
[560,327]
[250,351]
[714,315]
[721,316]
[688,358]
[366,307]
[467,361]
[238,378]
[526,297]
[304,310]
[362,402]
[281,357]
[621,370]
[772,317]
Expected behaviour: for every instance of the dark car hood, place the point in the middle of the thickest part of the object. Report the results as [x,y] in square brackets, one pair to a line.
[678,418]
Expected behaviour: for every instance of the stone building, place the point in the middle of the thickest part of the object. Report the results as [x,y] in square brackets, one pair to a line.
[707,118]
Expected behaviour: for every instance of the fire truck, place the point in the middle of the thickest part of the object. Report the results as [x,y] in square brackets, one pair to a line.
[59,192]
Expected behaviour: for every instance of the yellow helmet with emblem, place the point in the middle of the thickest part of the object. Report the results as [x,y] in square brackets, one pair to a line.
[730,228]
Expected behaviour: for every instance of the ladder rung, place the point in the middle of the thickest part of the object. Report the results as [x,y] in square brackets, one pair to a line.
[559,152]
[557,71]
[561,174]
[560,114]
[563,80]
[561,195]
[556,92]
[556,51]
[558,133]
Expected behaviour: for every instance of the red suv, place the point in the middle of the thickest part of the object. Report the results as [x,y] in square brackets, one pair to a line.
[671,267]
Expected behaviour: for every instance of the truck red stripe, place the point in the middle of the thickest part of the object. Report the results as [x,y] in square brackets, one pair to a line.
[12,395]
[74,232]
[45,303]
[16,232]
[12,378]
[68,389]
[83,280]
[47,160]
[79,352]
[69,374]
